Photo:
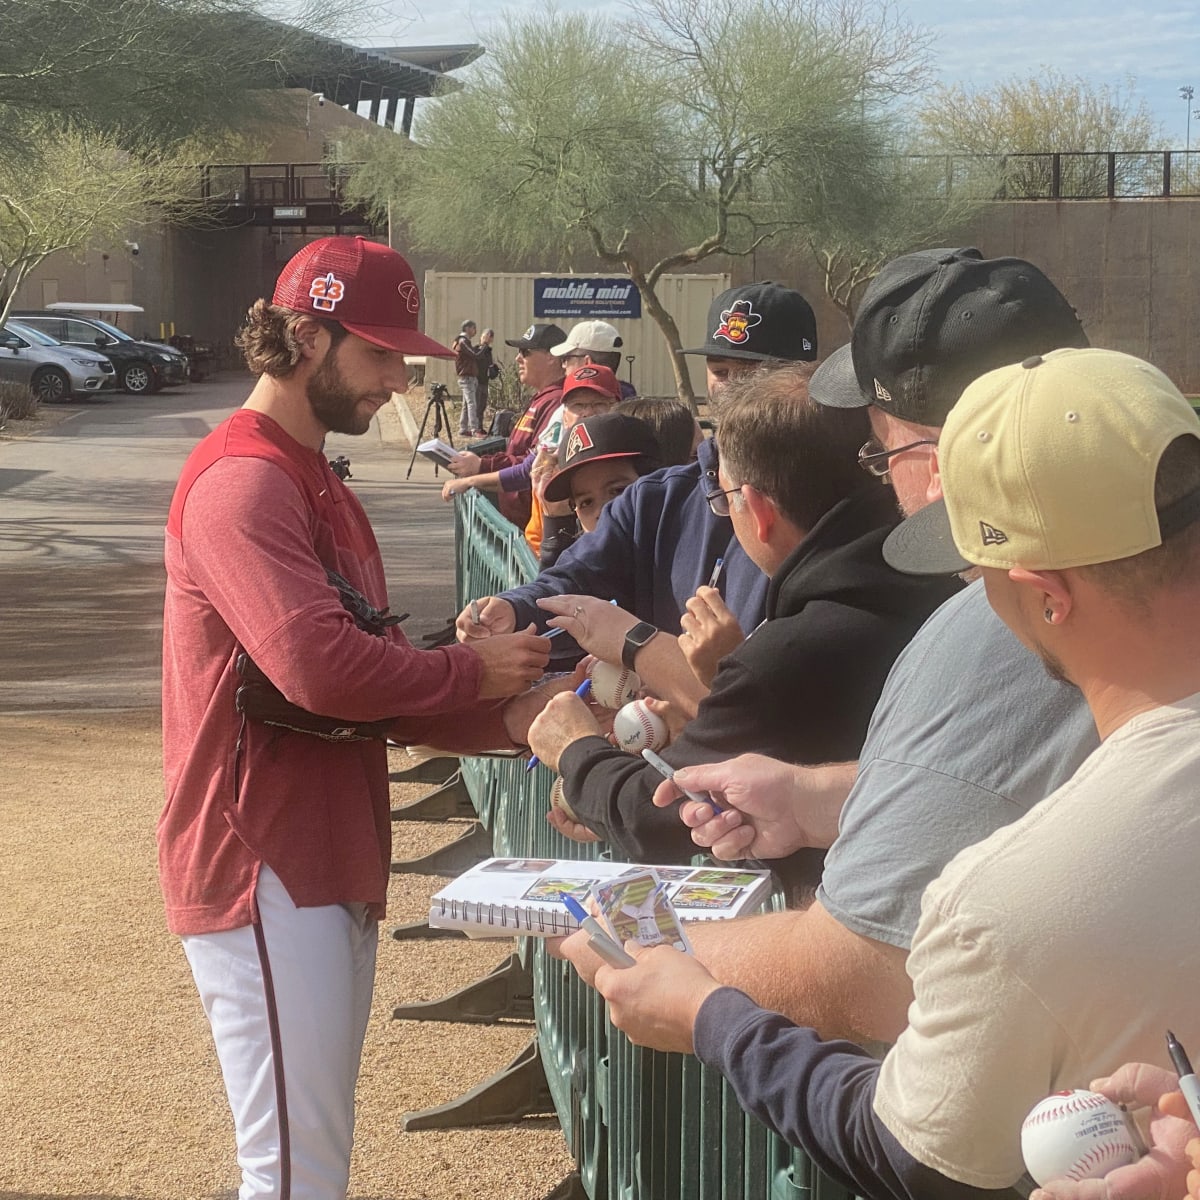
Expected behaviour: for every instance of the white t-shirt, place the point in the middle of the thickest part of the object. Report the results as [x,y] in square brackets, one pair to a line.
[1054,951]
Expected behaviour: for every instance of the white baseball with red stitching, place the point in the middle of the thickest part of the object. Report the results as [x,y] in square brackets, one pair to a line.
[1076,1135]
[612,686]
[636,728]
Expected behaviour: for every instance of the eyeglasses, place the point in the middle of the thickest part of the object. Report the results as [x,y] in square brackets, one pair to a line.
[873,457]
[523,352]
[718,501]
[573,355]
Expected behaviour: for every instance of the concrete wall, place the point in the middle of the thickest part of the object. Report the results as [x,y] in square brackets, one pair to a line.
[1130,267]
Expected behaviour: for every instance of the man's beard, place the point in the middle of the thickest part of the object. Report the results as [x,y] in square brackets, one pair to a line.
[332,402]
[1053,667]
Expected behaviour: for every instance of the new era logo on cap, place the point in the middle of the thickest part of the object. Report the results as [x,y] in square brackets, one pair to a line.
[991,535]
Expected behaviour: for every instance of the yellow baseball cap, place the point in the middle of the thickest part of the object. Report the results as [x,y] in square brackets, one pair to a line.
[1050,464]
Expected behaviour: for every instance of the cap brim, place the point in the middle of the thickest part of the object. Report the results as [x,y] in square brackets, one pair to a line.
[559,487]
[563,348]
[406,341]
[727,352]
[924,545]
[834,383]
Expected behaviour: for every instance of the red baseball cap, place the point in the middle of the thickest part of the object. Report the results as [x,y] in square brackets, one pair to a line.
[594,379]
[366,287]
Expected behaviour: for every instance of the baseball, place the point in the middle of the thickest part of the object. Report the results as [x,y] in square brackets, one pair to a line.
[612,686]
[558,800]
[1076,1135]
[636,728]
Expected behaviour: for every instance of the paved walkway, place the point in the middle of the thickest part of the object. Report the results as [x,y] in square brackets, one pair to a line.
[82,507]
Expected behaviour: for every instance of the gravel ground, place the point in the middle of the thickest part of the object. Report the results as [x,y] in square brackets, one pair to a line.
[110,1084]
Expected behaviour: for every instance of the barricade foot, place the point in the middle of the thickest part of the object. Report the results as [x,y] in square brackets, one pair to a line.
[417,931]
[451,799]
[504,994]
[518,1090]
[450,861]
[431,770]
[571,1188]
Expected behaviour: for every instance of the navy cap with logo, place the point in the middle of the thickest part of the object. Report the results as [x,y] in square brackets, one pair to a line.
[538,337]
[932,322]
[604,436]
[758,322]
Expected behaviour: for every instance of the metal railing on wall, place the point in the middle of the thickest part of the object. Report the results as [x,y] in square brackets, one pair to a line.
[640,1124]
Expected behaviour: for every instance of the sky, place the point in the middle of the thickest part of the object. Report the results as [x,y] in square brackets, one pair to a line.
[1150,50]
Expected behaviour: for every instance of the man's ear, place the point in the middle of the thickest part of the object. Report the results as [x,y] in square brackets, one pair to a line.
[309,334]
[934,491]
[761,510]
[1050,591]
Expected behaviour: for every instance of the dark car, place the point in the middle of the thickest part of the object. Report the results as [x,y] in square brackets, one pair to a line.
[141,366]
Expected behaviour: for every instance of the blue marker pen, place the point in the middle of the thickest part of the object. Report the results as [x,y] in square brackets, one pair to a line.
[581,691]
[598,937]
[716,572]
[667,771]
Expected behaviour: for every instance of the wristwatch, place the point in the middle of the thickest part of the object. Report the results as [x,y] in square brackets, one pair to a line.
[635,639]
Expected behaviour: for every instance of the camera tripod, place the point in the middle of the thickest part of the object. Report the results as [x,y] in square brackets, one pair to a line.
[437,406]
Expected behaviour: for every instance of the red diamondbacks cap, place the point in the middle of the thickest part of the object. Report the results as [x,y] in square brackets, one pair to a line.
[366,287]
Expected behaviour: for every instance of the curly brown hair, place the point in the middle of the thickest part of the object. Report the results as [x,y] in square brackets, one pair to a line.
[268,340]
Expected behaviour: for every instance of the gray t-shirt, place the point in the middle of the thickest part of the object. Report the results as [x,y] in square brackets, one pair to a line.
[969,734]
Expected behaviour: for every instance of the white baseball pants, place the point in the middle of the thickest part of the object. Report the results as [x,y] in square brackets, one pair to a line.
[288,1001]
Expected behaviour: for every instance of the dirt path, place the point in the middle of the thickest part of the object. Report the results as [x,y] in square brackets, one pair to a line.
[110,1087]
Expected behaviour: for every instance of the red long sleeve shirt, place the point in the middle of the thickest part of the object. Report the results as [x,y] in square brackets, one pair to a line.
[255,520]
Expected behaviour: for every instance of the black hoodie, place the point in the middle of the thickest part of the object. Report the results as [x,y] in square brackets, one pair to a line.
[800,688]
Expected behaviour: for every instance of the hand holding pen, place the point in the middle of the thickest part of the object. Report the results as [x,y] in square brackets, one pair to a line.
[581,691]
[598,937]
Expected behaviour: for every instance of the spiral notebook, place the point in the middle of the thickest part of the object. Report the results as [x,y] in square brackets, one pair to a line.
[505,896]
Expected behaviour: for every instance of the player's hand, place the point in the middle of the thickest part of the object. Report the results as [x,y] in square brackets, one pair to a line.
[464,463]
[710,631]
[655,1002]
[597,626]
[564,720]
[521,710]
[771,808]
[511,663]
[457,487]
[1162,1173]
[496,616]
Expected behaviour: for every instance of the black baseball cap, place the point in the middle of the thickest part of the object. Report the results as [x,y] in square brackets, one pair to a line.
[606,435]
[932,322]
[538,337]
[758,322]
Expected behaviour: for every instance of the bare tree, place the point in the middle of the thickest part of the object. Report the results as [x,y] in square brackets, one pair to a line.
[695,128]
[80,189]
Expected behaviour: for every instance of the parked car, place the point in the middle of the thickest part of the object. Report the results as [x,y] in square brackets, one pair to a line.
[141,367]
[52,370]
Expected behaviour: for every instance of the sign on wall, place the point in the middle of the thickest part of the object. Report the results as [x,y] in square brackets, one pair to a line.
[576,296]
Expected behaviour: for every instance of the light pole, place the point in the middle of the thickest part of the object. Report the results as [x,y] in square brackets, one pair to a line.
[1186,94]
[319,97]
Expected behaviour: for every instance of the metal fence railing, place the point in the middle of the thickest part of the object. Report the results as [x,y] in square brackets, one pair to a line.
[640,1124]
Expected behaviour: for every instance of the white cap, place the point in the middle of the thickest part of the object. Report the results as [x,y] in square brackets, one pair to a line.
[599,336]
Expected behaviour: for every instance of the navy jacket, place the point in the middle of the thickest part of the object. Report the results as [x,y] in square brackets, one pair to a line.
[656,543]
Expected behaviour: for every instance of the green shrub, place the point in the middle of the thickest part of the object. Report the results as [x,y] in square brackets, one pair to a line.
[17,402]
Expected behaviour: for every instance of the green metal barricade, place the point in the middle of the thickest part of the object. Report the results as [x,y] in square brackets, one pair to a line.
[640,1124]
